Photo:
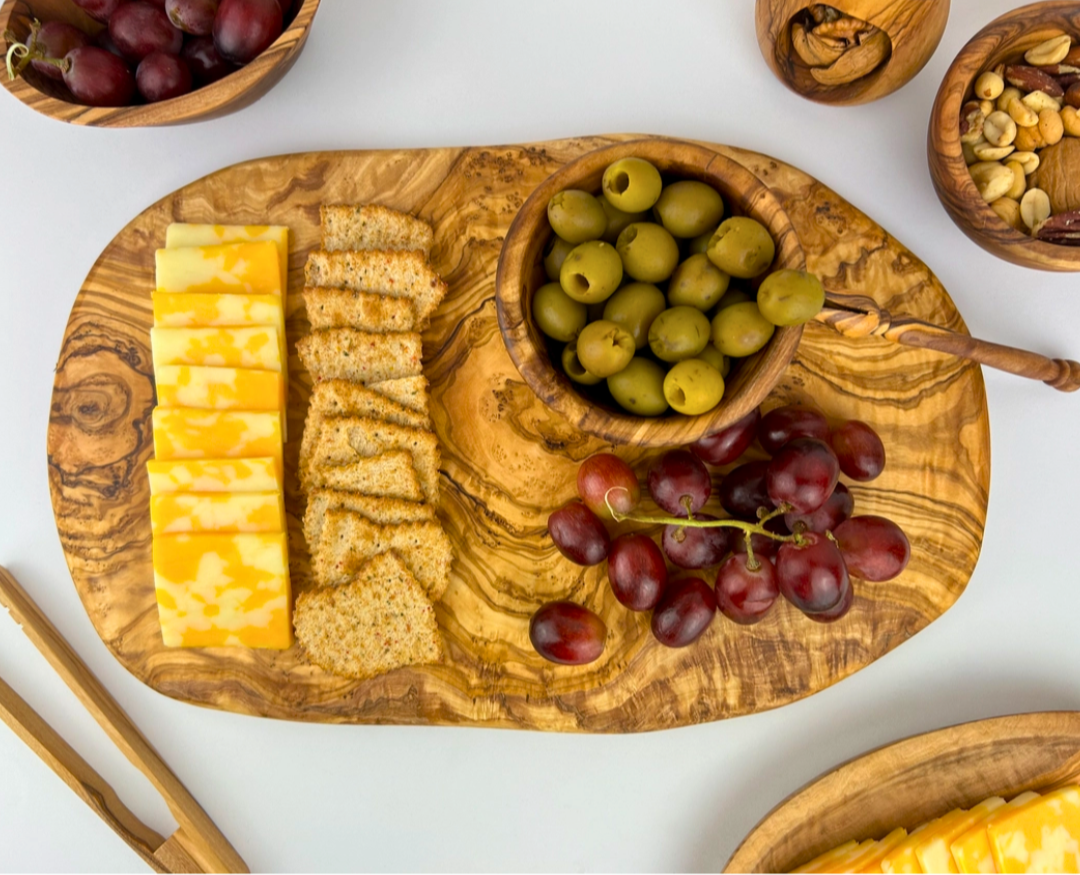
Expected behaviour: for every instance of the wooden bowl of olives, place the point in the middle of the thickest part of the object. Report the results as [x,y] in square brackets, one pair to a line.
[627,321]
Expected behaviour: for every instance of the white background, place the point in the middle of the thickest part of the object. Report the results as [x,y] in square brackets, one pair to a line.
[407,73]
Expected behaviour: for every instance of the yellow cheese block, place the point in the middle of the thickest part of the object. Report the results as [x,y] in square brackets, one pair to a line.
[871,860]
[181,433]
[179,235]
[971,851]
[223,590]
[228,269]
[173,513]
[1042,836]
[213,475]
[247,347]
[219,388]
[935,852]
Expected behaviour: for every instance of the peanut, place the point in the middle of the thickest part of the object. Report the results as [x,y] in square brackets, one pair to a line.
[993,180]
[1051,126]
[1029,161]
[987,107]
[1019,180]
[989,86]
[1008,210]
[988,152]
[1035,207]
[999,129]
[1040,100]
[1008,96]
[1023,115]
[1070,120]
[1029,140]
[969,152]
[1053,51]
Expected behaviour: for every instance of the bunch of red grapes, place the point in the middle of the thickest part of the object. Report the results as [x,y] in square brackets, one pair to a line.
[152,49]
[790,532]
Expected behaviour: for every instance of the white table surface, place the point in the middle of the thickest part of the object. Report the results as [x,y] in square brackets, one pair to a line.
[409,73]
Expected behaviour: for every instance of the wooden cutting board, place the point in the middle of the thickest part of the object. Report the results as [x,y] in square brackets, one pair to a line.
[508,462]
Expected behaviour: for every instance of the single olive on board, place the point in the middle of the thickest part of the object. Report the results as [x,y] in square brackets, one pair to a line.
[632,185]
[617,220]
[591,272]
[649,253]
[555,253]
[576,216]
[742,247]
[634,307]
[573,367]
[790,297]
[693,387]
[558,315]
[679,333]
[697,282]
[740,330]
[689,208]
[639,388]
[604,348]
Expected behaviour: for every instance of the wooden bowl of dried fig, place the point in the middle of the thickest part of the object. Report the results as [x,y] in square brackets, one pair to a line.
[1004,137]
[849,51]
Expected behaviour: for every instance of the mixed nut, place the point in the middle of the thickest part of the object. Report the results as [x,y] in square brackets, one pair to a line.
[1020,134]
[838,48]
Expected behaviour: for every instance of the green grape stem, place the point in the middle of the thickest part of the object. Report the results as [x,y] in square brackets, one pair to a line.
[25,54]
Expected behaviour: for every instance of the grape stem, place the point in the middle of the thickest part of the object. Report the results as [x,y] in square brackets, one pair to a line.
[25,54]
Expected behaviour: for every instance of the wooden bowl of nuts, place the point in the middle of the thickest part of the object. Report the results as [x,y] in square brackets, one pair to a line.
[849,51]
[1004,137]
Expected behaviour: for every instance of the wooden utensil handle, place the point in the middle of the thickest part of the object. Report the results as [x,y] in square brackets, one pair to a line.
[859,316]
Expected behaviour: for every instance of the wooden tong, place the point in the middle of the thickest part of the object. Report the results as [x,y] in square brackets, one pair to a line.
[197,845]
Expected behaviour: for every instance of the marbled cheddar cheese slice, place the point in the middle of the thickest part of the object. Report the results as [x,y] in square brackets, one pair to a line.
[971,851]
[181,433]
[1043,836]
[178,235]
[231,268]
[249,347]
[935,851]
[870,860]
[828,861]
[223,590]
[902,858]
[213,475]
[174,513]
[183,310]
[219,388]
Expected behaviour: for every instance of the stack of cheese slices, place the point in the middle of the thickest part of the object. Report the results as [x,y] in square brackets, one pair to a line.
[369,461]
[221,559]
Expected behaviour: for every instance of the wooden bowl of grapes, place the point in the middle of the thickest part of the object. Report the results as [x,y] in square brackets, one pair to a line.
[135,63]
[639,321]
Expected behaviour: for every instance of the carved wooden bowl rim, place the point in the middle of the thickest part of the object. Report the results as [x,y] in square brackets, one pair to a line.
[520,273]
[213,100]
[994,44]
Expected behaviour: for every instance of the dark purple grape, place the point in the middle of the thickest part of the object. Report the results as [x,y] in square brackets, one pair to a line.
[604,472]
[636,571]
[98,78]
[286,7]
[813,576]
[873,547]
[744,490]
[679,483]
[243,29]
[690,547]
[684,612]
[579,534]
[566,633]
[726,446]
[104,41]
[859,450]
[139,28]
[99,10]
[841,609]
[743,595]
[786,423]
[54,39]
[203,59]
[837,508]
[803,474]
[192,16]
[160,77]
[763,545]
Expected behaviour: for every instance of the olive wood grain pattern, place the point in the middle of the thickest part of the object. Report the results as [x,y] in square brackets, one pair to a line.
[509,460]
[237,90]
[909,782]
[915,28]
[1004,40]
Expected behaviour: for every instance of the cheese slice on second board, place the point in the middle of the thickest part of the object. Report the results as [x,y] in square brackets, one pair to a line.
[183,433]
[230,268]
[219,388]
[174,513]
[971,851]
[179,234]
[255,347]
[1042,836]
[213,475]
[935,852]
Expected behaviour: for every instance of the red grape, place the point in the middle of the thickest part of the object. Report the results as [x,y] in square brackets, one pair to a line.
[803,474]
[98,78]
[859,450]
[104,41]
[743,595]
[139,28]
[873,547]
[744,490]
[160,76]
[602,472]
[286,7]
[684,612]
[813,576]
[192,16]
[636,571]
[726,446]
[679,483]
[837,508]
[579,534]
[690,547]
[203,59]
[763,545]
[243,29]
[566,633]
[99,10]
[841,609]
[54,39]
[786,423]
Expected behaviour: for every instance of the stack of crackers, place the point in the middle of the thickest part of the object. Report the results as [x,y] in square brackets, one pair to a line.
[369,461]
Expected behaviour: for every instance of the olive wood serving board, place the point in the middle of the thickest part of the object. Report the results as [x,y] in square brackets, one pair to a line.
[508,461]
[912,781]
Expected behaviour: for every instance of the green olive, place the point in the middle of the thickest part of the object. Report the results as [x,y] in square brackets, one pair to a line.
[697,282]
[558,315]
[575,370]
[790,297]
[576,216]
[596,311]
[591,272]
[689,208]
[693,387]
[712,356]
[603,348]
[634,307]
[700,244]
[732,296]
[617,219]
[649,252]
[742,247]
[639,388]
[740,330]
[679,333]
[632,185]
[554,255]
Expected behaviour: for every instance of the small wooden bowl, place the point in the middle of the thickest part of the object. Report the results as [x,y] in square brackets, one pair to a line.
[915,28]
[1004,40]
[521,273]
[907,783]
[227,95]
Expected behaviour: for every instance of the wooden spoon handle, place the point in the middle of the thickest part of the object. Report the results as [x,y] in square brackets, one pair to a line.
[859,316]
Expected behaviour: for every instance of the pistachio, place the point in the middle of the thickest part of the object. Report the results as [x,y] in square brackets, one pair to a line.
[856,62]
[1029,79]
[1008,96]
[1008,209]
[989,86]
[1027,160]
[1023,115]
[1070,120]
[1051,126]
[992,179]
[1019,180]
[971,123]
[1040,100]
[999,129]
[1029,140]
[985,151]
[1053,51]
[1035,207]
